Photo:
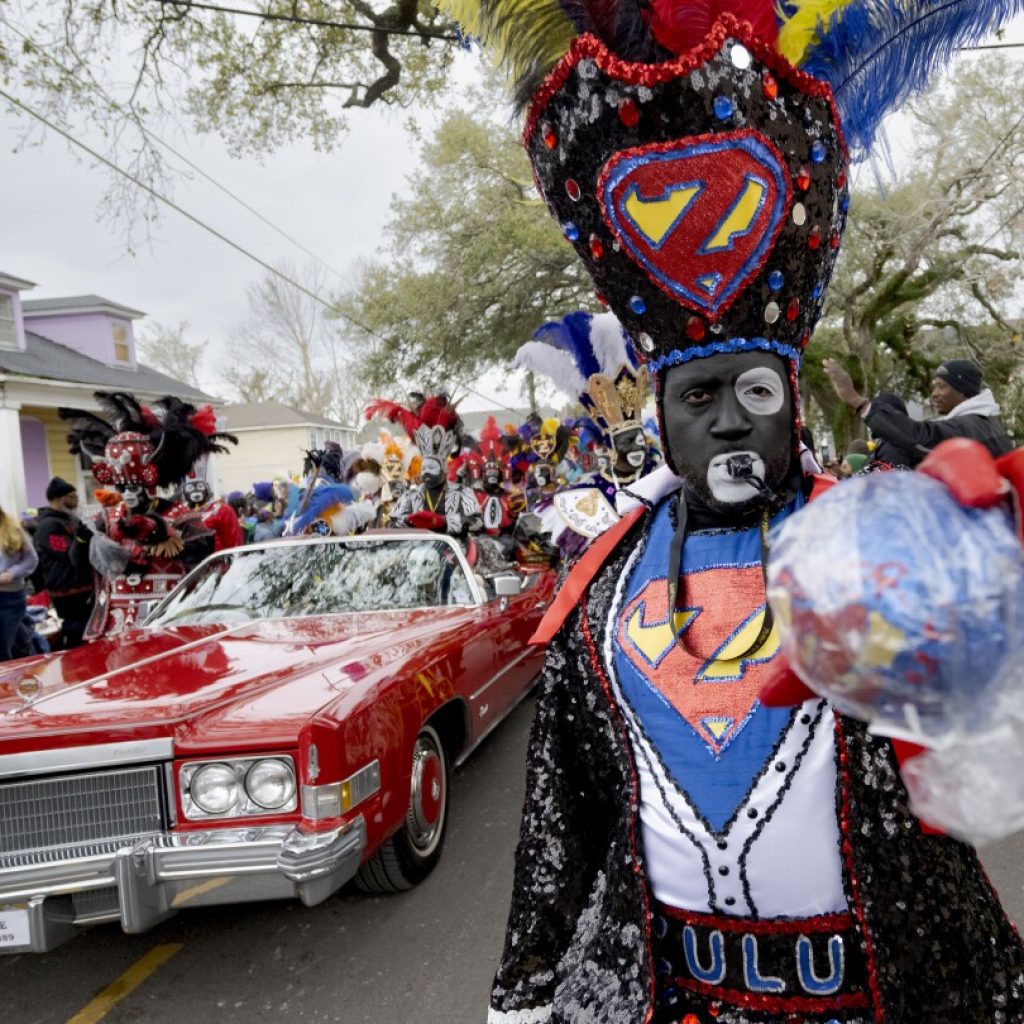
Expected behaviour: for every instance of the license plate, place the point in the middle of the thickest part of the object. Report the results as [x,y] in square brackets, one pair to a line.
[13,928]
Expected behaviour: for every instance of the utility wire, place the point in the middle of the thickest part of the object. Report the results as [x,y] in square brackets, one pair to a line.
[164,199]
[321,22]
[450,37]
[114,105]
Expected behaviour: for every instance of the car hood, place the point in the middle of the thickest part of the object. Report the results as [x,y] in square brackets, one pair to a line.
[168,681]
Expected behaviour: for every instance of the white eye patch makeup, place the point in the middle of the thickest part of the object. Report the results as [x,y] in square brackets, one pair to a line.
[761,391]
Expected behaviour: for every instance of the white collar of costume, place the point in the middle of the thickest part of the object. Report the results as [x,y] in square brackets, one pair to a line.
[648,490]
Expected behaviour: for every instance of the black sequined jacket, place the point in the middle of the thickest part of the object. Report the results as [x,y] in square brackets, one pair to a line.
[939,947]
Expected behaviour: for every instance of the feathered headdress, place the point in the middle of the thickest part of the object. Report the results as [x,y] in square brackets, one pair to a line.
[695,152]
[136,444]
[592,361]
[874,54]
[434,428]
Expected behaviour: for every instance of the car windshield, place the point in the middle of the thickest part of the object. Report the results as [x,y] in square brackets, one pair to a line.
[290,579]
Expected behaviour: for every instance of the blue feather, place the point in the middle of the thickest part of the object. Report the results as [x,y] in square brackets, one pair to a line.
[572,334]
[324,498]
[876,54]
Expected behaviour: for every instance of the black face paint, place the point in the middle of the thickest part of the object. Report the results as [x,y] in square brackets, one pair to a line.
[630,448]
[728,419]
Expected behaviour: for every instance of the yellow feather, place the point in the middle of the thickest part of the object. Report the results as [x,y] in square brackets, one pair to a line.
[527,36]
[799,31]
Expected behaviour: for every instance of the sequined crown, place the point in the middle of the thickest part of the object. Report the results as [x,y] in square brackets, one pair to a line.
[706,195]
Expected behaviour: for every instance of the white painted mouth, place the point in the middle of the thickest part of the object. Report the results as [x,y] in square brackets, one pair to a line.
[729,489]
[635,459]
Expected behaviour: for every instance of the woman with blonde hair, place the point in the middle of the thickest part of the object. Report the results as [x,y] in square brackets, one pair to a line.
[18,561]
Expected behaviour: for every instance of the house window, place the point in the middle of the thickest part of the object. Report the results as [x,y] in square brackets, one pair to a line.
[8,325]
[122,350]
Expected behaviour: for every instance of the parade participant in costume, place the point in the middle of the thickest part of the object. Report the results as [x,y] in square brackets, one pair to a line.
[591,360]
[333,509]
[548,441]
[214,514]
[433,503]
[498,510]
[398,468]
[147,543]
[687,853]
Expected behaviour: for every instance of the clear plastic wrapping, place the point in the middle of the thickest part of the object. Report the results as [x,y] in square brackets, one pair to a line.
[906,610]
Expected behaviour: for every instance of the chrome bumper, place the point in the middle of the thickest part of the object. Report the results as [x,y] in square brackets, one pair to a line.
[153,878]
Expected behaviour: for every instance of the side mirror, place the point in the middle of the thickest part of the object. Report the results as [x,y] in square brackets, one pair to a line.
[507,585]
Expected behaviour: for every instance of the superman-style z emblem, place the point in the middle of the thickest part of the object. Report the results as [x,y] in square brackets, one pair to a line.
[699,215]
[711,678]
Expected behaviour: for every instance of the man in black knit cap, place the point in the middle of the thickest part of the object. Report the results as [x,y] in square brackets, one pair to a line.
[965,406]
[62,542]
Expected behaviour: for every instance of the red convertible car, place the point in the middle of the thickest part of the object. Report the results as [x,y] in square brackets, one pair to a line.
[284,722]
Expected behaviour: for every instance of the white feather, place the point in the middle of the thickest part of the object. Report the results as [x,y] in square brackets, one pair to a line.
[373,450]
[609,343]
[554,363]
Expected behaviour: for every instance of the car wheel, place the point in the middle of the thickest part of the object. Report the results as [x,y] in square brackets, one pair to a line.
[413,851]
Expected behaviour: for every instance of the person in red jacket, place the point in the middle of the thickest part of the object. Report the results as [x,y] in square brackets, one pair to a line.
[214,514]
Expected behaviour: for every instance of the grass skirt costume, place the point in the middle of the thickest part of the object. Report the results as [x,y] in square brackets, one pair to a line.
[688,855]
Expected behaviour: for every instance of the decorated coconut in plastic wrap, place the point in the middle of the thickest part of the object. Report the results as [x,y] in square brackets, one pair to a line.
[901,606]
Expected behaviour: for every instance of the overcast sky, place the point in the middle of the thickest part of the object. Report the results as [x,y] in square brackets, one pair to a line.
[335,204]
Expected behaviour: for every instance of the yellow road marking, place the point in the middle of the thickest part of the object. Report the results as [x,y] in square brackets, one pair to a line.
[125,985]
[198,890]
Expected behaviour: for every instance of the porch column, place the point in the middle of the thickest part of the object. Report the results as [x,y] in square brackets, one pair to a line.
[13,493]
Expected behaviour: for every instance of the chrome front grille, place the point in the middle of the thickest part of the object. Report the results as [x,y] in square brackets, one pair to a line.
[51,819]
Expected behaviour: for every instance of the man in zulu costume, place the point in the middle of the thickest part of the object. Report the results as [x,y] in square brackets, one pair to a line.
[146,543]
[433,503]
[214,514]
[592,361]
[689,854]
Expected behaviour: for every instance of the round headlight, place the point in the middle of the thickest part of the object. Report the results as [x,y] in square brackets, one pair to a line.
[270,783]
[214,788]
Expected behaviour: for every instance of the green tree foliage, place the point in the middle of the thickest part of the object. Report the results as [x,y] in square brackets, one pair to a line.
[930,265]
[132,68]
[473,262]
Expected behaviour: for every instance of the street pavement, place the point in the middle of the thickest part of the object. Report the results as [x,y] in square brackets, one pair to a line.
[424,957]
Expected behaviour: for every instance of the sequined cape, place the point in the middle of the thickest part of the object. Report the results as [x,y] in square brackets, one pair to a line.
[939,946]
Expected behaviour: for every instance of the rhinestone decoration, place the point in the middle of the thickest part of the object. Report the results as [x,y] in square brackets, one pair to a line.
[629,113]
[776,279]
[571,231]
[814,238]
[799,214]
[646,342]
[572,189]
[549,136]
[793,309]
[596,247]
[723,108]
[803,179]
[819,151]
[769,86]
[695,328]
[740,56]
[771,312]
[637,305]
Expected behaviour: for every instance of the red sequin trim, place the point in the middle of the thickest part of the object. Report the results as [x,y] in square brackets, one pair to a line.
[761,926]
[776,1004]
[709,221]
[847,845]
[634,788]
[727,27]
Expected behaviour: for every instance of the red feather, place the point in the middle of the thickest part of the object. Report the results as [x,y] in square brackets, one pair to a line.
[149,417]
[680,25]
[204,420]
[490,440]
[436,412]
[395,413]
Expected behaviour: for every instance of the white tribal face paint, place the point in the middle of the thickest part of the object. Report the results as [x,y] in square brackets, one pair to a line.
[730,489]
[761,391]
